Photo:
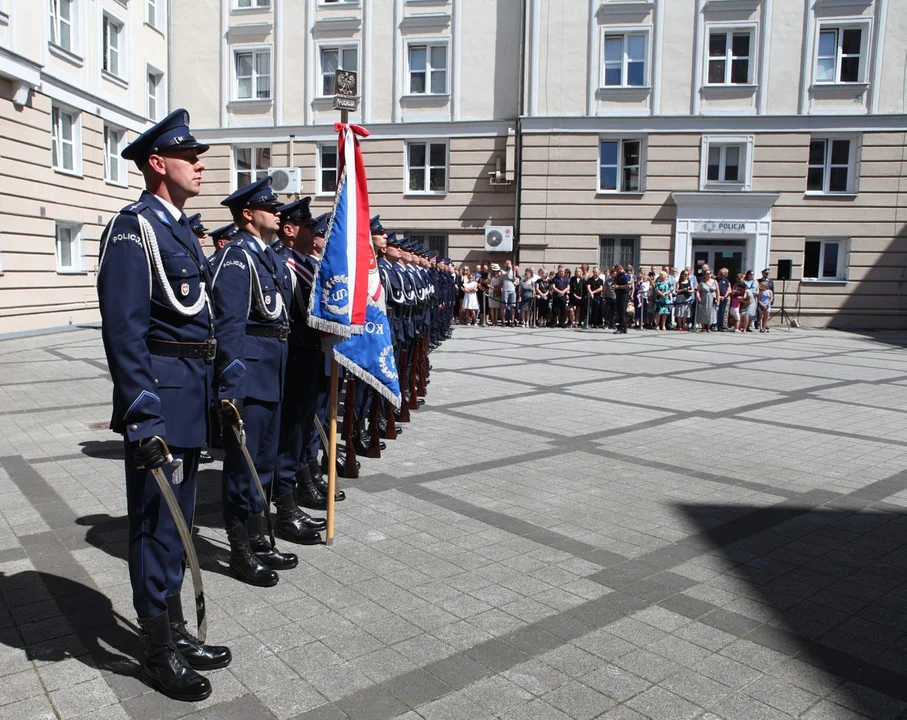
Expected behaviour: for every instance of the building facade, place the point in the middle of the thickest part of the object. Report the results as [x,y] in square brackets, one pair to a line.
[78,80]
[738,133]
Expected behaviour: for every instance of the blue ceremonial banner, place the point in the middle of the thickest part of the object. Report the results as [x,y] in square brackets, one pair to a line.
[370,356]
[337,302]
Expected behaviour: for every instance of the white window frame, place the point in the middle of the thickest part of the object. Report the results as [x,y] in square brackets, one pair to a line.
[122,53]
[159,99]
[626,31]
[427,168]
[839,25]
[322,169]
[620,140]
[252,5]
[234,170]
[55,21]
[75,231]
[159,19]
[852,165]
[428,43]
[112,157]
[57,141]
[339,47]
[255,51]
[744,183]
[442,248]
[843,259]
[730,29]
[338,2]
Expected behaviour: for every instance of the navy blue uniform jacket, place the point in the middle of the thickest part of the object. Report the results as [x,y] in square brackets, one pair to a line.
[154,395]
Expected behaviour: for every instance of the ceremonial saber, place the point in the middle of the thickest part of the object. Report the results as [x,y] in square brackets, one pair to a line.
[186,537]
[241,439]
[332,452]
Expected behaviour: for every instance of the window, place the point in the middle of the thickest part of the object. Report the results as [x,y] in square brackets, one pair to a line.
[114,168]
[154,94]
[618,251]
[64,140]
[428,69]
[625,60]
[435,243]
[253,74]
[251,164]
[427,167]
[830,166]
[327,168]
[620,166]
[334,59]
[113,35]
[730,57]
[839,57]
[825,260]
[151,14]
[69,248]
[726,163]
[61,17]
[253,3]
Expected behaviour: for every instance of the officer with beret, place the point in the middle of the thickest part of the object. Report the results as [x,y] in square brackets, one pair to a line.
[304,365]
[158,337]
[252,289]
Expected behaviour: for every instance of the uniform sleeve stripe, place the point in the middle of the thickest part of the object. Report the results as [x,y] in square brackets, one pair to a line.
[235,362]
[143,394]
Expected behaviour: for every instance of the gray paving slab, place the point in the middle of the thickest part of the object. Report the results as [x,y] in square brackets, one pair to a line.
[573,526]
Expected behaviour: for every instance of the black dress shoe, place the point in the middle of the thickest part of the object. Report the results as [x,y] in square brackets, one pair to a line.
[321,482]
[263,549]
[246,565]
[421,401]
[198,655]
[292,525]
[307,493]
[204,457]
[164,668]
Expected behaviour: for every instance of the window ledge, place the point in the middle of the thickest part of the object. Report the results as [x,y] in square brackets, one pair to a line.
[4,20]
[155,28]
[250,103]
[428,98]
[816,194]
[422,194]
[619,193]
[250,10]
[65,54]
[832,86]
[71,173]
[628,5]
[339,3]
[125,186]
[729,89]
[823,281]
[624,89]
[725,187]
[733,4]
[115,79]
[63,271]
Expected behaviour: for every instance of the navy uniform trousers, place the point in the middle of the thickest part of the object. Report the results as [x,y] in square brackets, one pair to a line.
[153,394]
[250,367]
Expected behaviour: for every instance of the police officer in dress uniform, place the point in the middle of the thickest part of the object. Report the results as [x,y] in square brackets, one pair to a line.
[252,289]
[394,297]
[222,236]
[201,232]
[159,346]
[304,363]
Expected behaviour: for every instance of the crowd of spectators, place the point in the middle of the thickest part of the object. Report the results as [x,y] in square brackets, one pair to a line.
[618,298]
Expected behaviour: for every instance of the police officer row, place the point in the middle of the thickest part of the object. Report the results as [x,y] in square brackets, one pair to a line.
[186,335]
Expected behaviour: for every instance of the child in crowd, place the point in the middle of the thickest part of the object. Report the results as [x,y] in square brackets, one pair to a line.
[765,305]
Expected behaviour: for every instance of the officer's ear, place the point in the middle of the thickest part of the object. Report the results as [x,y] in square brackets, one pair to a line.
[156,165]
[246,214]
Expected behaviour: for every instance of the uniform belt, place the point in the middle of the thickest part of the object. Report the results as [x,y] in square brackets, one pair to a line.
[203,350]
[281,332]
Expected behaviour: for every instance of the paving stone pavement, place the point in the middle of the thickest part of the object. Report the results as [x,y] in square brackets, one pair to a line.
[575,525]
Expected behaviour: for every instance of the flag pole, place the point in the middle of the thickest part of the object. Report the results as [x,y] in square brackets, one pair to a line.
[332,448]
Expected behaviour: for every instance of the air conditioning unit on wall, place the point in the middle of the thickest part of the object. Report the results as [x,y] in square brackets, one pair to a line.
[286,180]
[499,239]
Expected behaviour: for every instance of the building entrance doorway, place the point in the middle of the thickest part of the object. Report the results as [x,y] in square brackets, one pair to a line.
[717,254]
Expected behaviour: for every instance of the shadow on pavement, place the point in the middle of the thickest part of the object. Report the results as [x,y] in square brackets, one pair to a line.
[835,580]
[53,618]
[104,449]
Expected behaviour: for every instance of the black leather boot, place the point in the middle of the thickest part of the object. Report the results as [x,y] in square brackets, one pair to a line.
[294,525]
[321,482]
[244,564]
[164,668]
[307,493]
[263,549]
[198,655]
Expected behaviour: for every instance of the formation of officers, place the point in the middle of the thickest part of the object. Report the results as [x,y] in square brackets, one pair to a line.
[218,351]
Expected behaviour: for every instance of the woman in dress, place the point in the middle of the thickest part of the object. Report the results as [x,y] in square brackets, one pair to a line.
[470,300]
[525,290]
[683,295]
[707,311]
[750,282]
[765,305]
[662,301]
[576,313]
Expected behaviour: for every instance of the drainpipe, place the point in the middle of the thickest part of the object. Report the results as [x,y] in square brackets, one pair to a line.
[518,139]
